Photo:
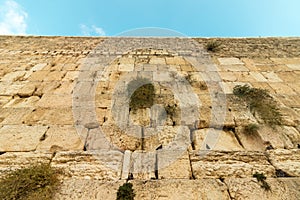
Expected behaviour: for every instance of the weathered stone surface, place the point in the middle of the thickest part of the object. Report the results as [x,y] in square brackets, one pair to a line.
[286,160]
[230,61]
[21,137]
[172,164]
[101,165]
[150,190]
[221,164]
[281,188]
[16,160]
[61,138]
[224,140]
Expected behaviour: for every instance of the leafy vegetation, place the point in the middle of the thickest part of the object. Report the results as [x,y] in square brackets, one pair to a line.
[259,101]
[125,192]
[38,181]
[262,179]
[251,129]
[142,97]
[213,46]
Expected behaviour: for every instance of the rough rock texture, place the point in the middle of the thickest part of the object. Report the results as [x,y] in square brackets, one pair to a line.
[162,189]
[65,101]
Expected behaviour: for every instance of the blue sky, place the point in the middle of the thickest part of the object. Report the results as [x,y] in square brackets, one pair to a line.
[204,18]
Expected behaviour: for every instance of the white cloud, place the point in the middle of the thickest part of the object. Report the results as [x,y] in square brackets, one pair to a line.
[12,19]
[91,31]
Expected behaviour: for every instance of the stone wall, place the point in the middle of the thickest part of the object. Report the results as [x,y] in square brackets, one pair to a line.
[65,101]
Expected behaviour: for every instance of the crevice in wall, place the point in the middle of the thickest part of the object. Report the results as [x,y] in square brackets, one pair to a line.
[228,191]
[232,129]
[191,168]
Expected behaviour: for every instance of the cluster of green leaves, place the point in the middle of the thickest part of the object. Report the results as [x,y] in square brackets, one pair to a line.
[38,181]
[142,97]
[125,192]
[262,179]
[251,129]
[213,46]
[259,101]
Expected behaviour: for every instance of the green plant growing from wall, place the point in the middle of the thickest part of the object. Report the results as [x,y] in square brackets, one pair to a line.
[143,96]
[260,177]
[125,192]
[38,181]
[251,129]
[261,102]
[213,46]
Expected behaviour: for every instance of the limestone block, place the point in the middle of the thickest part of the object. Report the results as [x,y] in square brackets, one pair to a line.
[16,160]
[234,68]
[228,76]
[216,140]
[74,188]
[65,88]
[180,189]
[13,76]
[250,142]
[126,67]
[249,188]
[275,137]
[21,137]
[96,140]
[38,75]
[71,76]
[86,188]
[286,160]
[100,165]
[240,164]
[126,139]
[55,76]
[142,165]
[149,67]
[126,60]
[54,116]
[38,67]
[281,88]
[288,76]
[271,76]
[175,61]
[61,138]
[14,116]
[10,89]
[173,164]
[29,102]
[258,77]
[55,101]
[27,90]
[230,61]
[289,60]
[162,76]
[294,66]
[4,100]
[126,165]
[45,87]
[292,134]
[289,116]
[157,61]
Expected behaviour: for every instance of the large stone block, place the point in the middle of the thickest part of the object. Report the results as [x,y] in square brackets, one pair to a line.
[215,140]
[250,188]
[286,160]
[61,138]
[221,164]
[21,137]
[101,165]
